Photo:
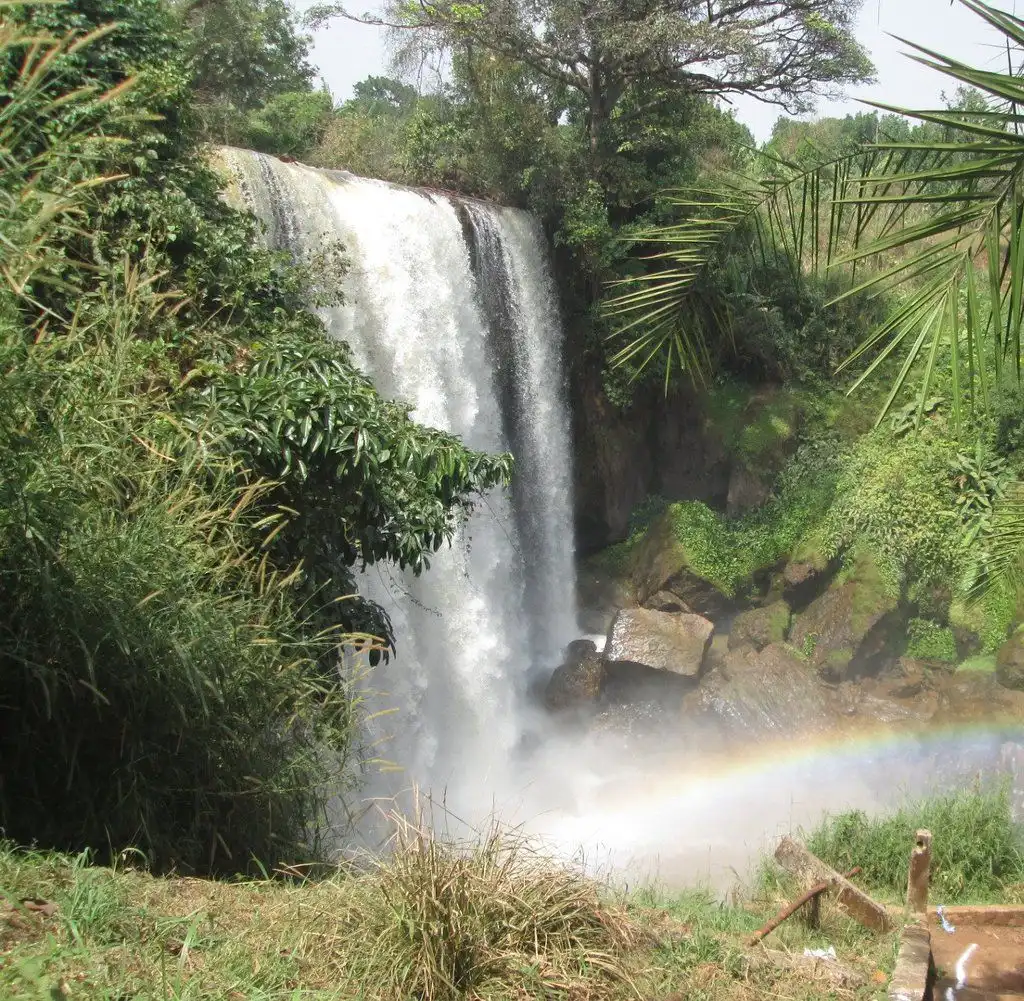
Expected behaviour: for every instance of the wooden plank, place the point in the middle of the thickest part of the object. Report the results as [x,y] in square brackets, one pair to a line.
[920,874]
[809,870]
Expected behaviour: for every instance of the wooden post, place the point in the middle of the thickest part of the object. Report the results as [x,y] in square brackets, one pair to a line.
[809,869]
[920,874]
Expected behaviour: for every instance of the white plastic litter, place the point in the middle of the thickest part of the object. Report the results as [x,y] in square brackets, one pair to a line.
[946,926]
[829,953]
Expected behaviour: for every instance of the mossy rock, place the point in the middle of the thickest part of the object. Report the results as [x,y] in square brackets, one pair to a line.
[983,663]
[661,563]
[1010,662]
[834,627]
[760,627]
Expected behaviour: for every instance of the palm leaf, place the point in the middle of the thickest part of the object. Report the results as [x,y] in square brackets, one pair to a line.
[919,215]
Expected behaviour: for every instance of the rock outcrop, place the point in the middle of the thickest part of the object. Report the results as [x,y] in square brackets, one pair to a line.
[775,691]
[659,641]
[579,681]
[836,630]
[760,627]
[660,567]
[1010,662]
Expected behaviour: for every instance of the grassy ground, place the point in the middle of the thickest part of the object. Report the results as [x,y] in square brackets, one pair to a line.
[495,920]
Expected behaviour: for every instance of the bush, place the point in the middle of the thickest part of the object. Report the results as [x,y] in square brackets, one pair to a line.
[895,500]
[931,641]
[977,849]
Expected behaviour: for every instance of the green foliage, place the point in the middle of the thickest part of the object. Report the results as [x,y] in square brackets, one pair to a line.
[158,683]
[728,552]
[984,663]
[979,482]
[977,849]
[895,499]
[364,482]
[244,56]
[988,615]
[170,629]
[292,123]
[930,640]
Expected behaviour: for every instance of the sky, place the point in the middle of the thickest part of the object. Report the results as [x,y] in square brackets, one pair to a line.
[345,52]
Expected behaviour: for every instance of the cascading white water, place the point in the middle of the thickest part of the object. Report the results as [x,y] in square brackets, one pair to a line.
[449,306]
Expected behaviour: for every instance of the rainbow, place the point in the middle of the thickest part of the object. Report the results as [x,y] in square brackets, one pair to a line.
[684,818]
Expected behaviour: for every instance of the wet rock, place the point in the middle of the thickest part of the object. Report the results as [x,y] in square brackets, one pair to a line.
[802,580]
[600,593]
[978,696]
[666,601]
[845,625]
[902,698]
[774,691]
[1010,662]
[659,641]
[579,681]
[760,627]
[747,490]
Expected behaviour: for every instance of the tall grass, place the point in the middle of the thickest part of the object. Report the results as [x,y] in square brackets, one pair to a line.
[160,684]
[977,849]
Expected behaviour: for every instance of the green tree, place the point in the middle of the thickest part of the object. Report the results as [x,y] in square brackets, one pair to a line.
[244,52]
[782,52]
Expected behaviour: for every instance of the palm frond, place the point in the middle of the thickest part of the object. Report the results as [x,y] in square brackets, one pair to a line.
[927,218]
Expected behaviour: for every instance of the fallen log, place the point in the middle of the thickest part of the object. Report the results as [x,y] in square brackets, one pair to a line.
[788,911]
[810,870]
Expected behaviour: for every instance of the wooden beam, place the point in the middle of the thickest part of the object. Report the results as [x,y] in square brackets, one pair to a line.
[920,874]
[810,870]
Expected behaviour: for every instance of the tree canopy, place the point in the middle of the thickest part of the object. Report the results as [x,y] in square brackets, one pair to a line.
[780,52]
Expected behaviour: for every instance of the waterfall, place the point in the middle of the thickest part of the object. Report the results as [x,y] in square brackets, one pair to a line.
[449,306]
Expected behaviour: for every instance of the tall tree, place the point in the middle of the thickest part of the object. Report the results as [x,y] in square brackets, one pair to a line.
[781,51]
[245,52]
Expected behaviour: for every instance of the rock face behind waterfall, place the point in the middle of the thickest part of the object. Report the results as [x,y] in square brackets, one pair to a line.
[659,641]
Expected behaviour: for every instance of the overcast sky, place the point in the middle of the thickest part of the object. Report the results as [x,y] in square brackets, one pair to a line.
[345,53]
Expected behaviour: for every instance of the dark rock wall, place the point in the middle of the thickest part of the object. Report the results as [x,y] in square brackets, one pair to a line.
[656,446]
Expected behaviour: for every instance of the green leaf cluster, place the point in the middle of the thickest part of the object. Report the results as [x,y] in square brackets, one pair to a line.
[929,640]
[189,469]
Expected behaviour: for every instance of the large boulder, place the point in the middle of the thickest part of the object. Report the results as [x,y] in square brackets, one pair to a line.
[660,566]
[760,627]
[775,691]
[579,681]
[1010,662]
[843,631]
[659,641]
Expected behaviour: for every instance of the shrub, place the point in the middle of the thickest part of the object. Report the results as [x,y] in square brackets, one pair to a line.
[977,849]
[931,641]
[894,499]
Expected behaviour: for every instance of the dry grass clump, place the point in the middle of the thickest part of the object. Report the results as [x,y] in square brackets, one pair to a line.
[490,917]
[441,920]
